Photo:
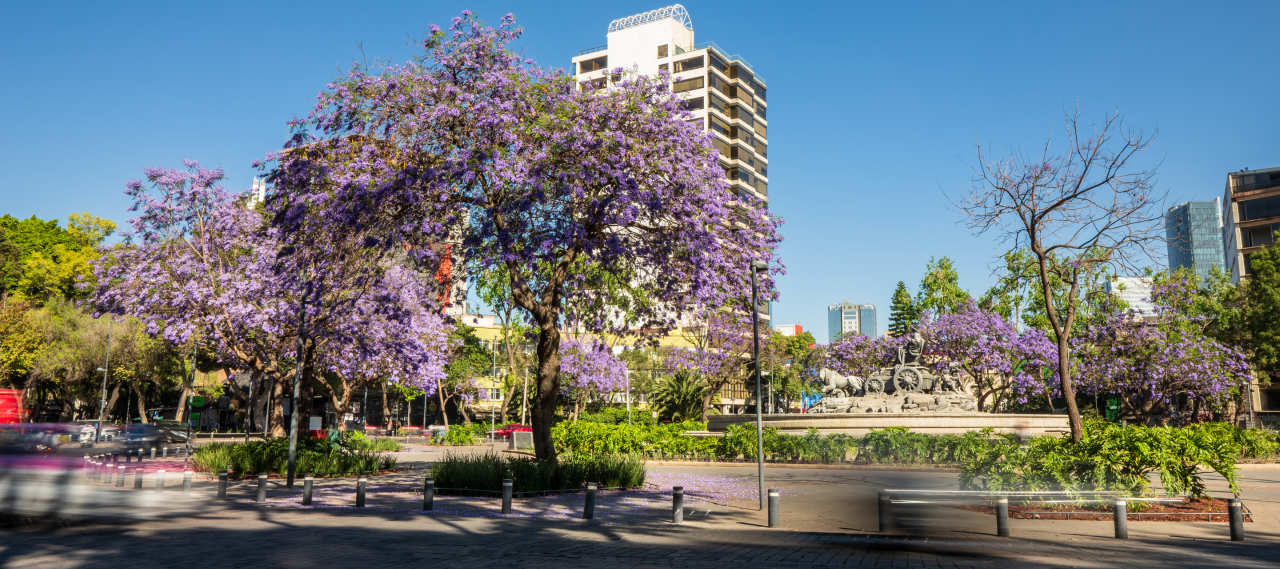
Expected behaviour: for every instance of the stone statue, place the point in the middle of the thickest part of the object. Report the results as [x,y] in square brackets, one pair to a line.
[837,385]
[910,353]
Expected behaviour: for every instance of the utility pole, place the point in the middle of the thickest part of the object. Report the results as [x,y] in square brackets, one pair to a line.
[757,266]
[297,387]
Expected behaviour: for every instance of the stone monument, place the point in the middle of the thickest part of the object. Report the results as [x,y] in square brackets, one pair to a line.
[906,387]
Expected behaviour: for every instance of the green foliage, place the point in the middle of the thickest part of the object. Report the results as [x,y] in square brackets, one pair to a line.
[358,441]
[903,315]
[1110,457]
[320,457]
[940,291]
[484,473]
[40,260]
[667,440]
[464,435]
[618,416]
[679,396]
[1262,312]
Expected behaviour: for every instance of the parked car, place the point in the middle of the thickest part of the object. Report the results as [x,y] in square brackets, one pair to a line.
[505,432]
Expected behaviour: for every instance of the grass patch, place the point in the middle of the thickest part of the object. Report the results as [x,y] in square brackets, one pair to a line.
[483,474]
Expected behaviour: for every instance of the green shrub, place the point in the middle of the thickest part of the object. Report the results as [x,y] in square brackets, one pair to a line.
[318,457]
[618,416]
[464,434]
[658,441]
[484,473]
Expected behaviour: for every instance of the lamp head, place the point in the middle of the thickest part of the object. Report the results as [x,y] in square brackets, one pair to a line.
[759,266]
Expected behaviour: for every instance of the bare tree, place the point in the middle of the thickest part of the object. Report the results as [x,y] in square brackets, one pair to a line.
[1077,213]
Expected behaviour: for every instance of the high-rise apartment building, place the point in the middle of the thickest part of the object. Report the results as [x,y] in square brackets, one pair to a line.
[1251,212]
[849,318]
[721,91]
[1193,232]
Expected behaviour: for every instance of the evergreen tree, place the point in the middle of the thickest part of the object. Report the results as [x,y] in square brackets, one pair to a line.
[1262,297]
[902,312]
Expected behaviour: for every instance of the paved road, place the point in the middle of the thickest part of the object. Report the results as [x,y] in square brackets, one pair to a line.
[828,521]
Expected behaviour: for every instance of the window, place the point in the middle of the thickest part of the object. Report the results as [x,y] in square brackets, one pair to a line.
[761,147]
[719,126]
[593,64]
[759,89]
[722,147]
[689,64]
[1258,236]
[594,84]
[718,85]
[693,104]
[760,130]
[662,67]
[662,51]
[739,71]
[719,104]
[719,63]
[760,111]
[687,85]
[1258,209]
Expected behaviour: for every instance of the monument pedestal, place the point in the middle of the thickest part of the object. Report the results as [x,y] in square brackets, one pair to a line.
[859,424]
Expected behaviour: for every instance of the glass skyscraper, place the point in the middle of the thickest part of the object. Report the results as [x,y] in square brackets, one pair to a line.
[1193,231]
[849,318]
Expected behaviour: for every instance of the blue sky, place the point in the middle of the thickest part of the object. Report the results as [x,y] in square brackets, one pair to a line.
[874,116]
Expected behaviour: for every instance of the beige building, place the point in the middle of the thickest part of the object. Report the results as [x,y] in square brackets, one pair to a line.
[720,90]
[1251,216]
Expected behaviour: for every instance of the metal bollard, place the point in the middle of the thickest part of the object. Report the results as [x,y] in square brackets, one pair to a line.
[429,494]
[1236,515]
[307,485]
[120,476]
[773,508]
[153,453]
[589,506]
[1120,513]
[139,453]
[1002,517]
[164,452]
[160,479]
[128,456]
[137,479]
[506,495]
[186,480]
[222,485]
[262,488]
[360,487]
[677,505]
[883,512]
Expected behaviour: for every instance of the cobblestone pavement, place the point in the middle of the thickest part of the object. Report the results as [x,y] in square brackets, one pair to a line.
[828,520]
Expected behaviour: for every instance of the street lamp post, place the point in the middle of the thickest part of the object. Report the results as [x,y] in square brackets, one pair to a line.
[757,267]
[102,403]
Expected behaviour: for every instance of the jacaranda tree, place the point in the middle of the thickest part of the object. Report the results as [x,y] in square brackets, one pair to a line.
[589,369]
[994,362]
[200,265]
[605,208]
[1163,366]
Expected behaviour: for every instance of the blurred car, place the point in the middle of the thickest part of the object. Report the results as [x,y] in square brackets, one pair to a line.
[505,432]
[153,435]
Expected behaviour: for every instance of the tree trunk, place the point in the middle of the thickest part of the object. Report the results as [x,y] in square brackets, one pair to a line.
[386,411]
[706,404]
[444,409]
[188,382]
[548,382]
[1068,390]
[111,402]
[142,403]
[278,427]
[506,399]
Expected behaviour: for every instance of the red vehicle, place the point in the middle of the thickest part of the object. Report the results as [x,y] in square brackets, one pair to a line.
[505,432]
[11,410]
